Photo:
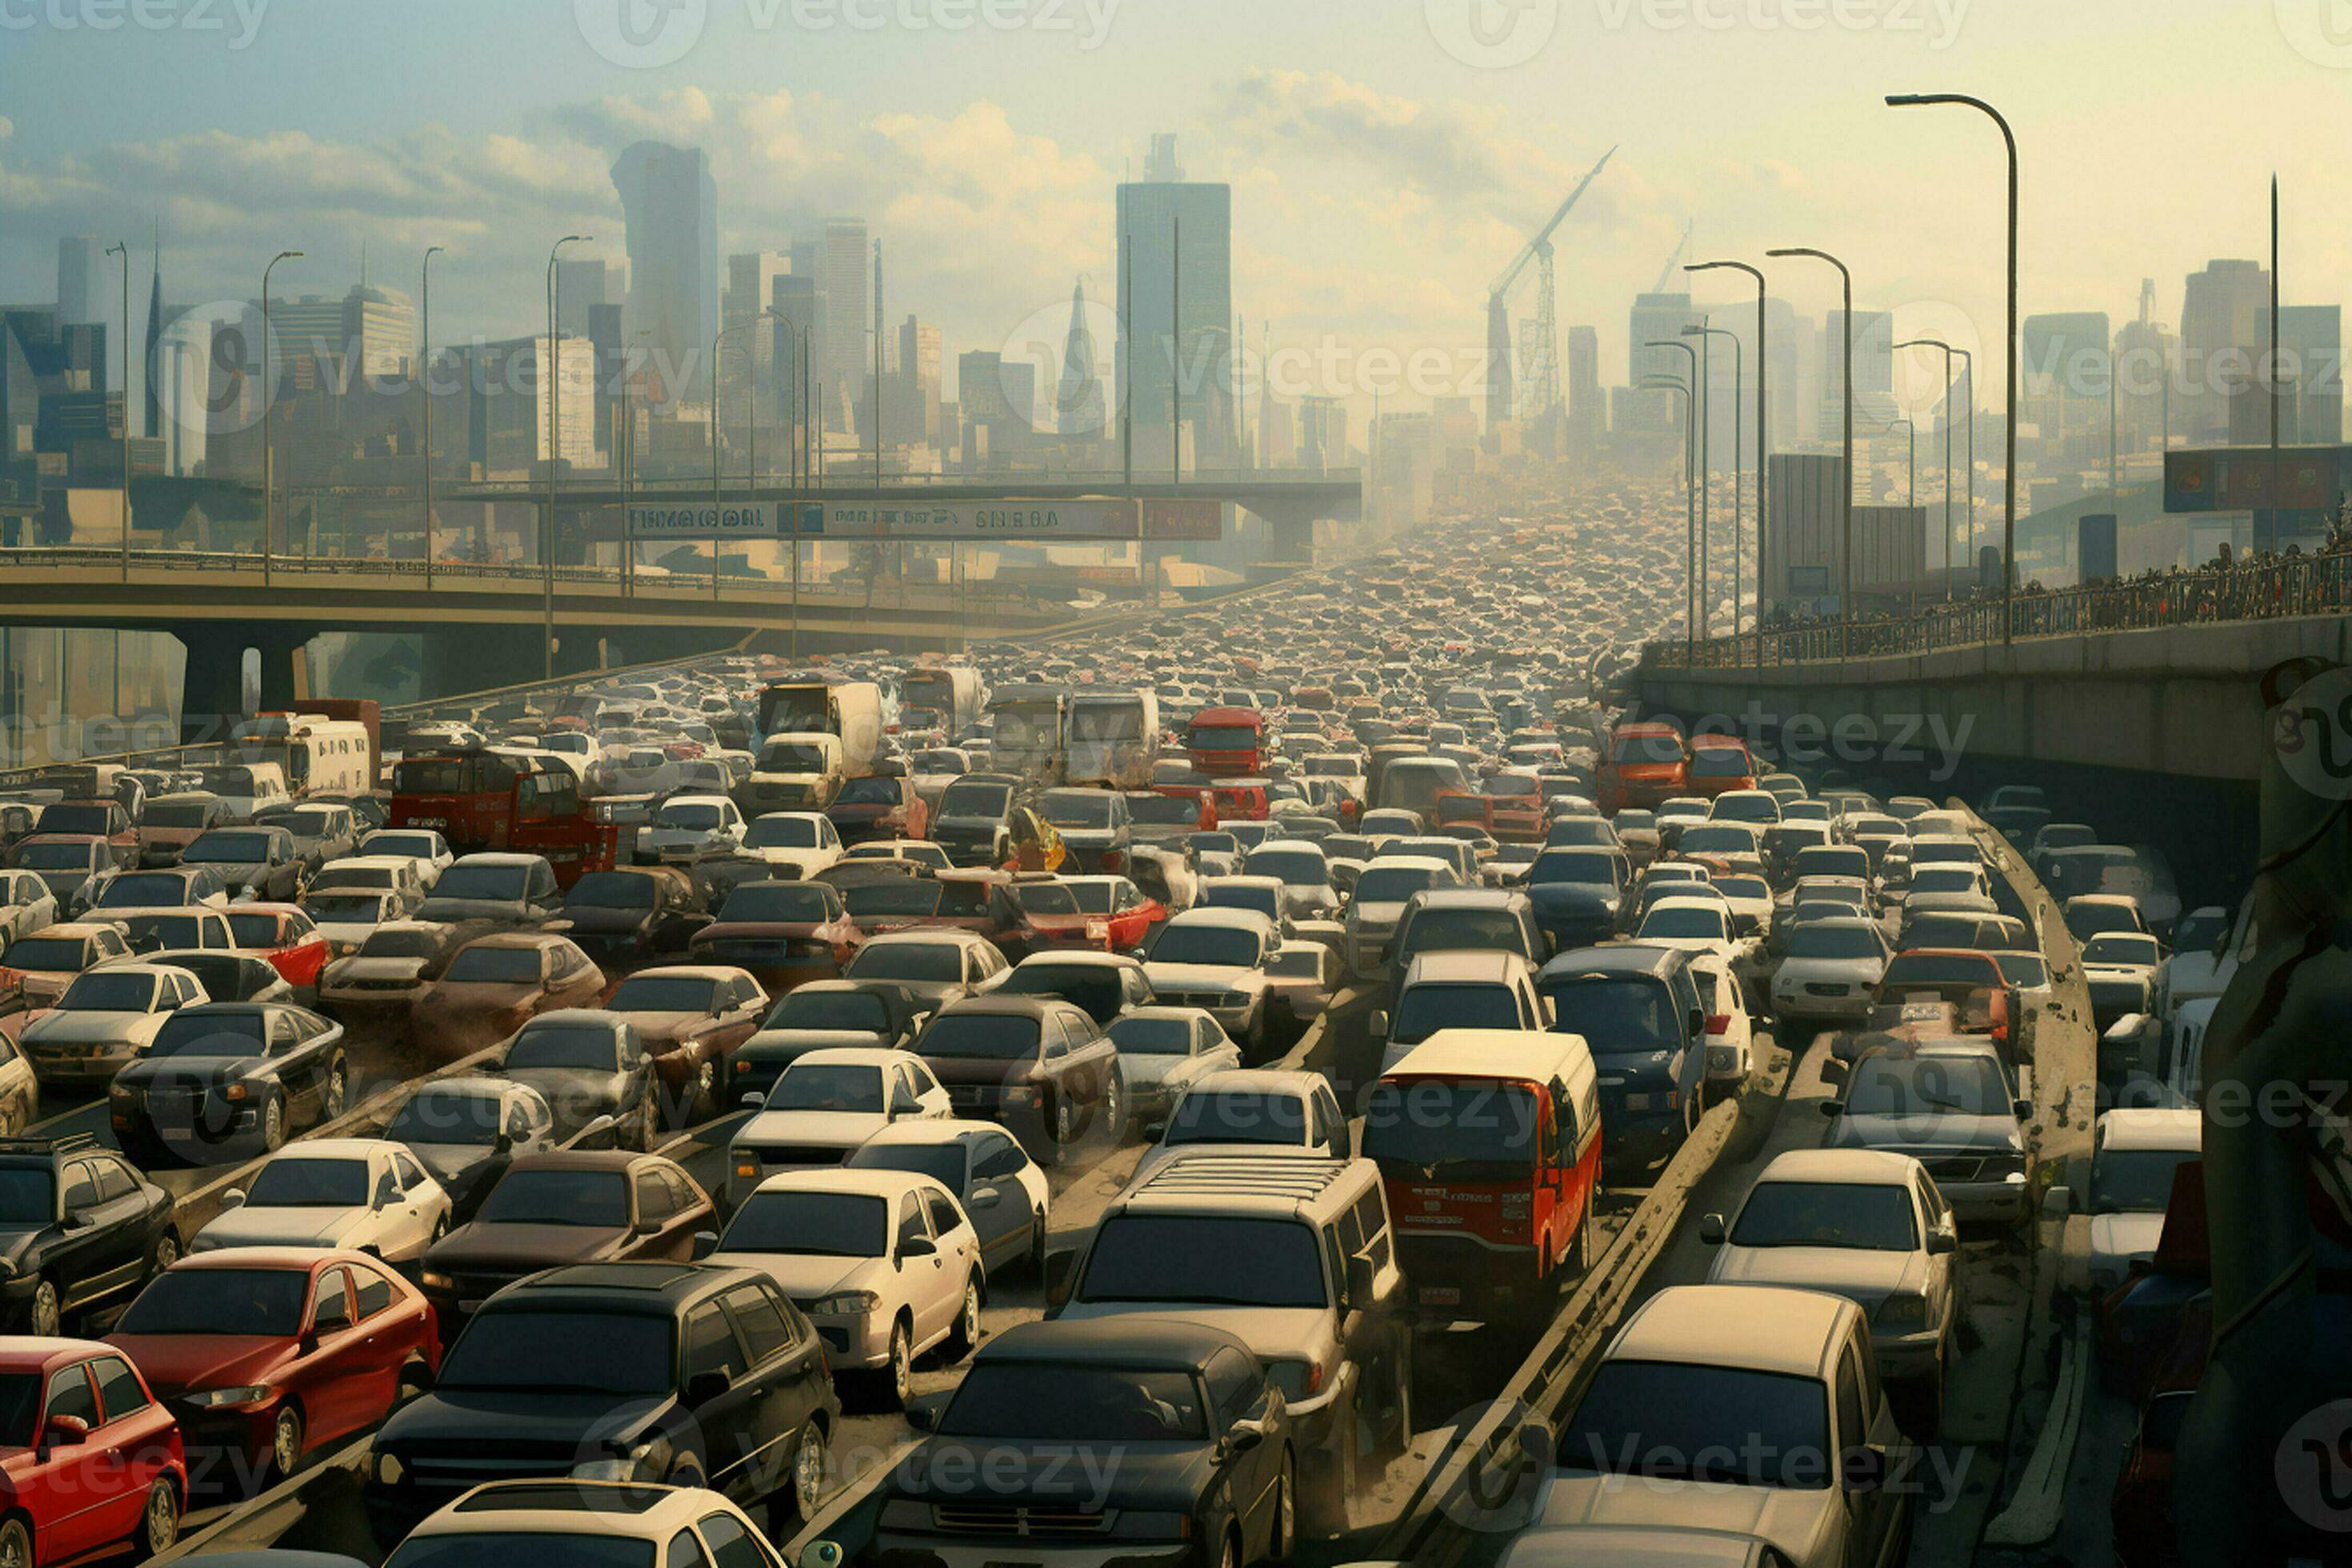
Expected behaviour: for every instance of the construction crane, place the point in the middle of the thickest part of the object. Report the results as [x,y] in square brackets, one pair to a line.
[1543,359]
[1666,273]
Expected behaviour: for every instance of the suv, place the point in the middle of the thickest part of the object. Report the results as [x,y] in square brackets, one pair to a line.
[79,1226]
[1293,1256]
[1639,1009]
[1466,988]
[670,1373]
[1448,919]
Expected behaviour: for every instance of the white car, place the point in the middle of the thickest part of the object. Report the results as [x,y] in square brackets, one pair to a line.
[2120,967]
[885,1263]
[423,847]
[1163,1051]
[366,1195]
[1696,926]
[346,916]
[402,875]
[1254,1112]
[794,845]
[106,1017]
[465,1132]
[1859,1223]
[1215,959]
[495,1520]
[687,828]
[1949,886]
[1832,970]
[825,1104]
[1730,1032]
[27,905]
[2133,1152]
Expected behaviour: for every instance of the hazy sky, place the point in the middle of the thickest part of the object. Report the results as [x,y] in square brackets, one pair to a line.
[1388,156]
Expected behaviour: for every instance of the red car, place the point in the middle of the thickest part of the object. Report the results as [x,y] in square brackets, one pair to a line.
[1107,915]
[785,932]
[269,1352]
[285,936]
[1719,764]
[90,1459]
[1647,766]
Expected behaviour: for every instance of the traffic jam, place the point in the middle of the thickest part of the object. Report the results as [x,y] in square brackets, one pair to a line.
[1136,1095]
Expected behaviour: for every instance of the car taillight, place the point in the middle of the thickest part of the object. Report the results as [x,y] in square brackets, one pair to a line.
[1718,1023]
[1112,859]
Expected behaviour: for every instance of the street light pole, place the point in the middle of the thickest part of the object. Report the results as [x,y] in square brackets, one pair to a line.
[554,378]
[1690,494]
[1690,441]
[1845,507]
[424,380]
[2009,354]
[119,248]
[269,406]
[1948,353]
[1763,364]
[1736,358]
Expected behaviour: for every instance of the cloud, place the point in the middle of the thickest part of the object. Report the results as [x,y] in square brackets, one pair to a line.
[1427,146]
[7,128]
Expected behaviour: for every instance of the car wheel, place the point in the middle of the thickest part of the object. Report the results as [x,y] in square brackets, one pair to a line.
[808,1470]
[1282,1537]
[338,1091]
[1114,1109]
[1231,1556]
[964,1338]
[1037,1244]
[167,1253]
[159,1522]
[285,1443]
[17,1545]
[273,1125]
[1065,1130]
[46,1315]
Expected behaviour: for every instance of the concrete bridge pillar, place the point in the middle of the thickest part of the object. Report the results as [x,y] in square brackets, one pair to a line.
[212,688]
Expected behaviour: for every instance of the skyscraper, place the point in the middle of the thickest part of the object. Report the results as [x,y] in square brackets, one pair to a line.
[794,295]
[1077,396]
[749,355]
[919,366]
[848,287]
[670,203]
[153,427]
[2310,381]
[2223,310]
[379,330]
[1588,415]
[2143,351]
[82,291]
[1175,249]
[581,285]
[1658,318]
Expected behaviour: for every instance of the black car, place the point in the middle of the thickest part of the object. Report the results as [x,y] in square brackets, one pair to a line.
[817,1016]
[688,1374]
[79,1227]
[974,820]
[258,858]
[227,974]
[1639,1009]
[1182,1446]
[588,1064]
[227,1079]
[634,913]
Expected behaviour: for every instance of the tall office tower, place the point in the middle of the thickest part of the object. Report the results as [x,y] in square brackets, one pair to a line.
[747,356]
[153,427]
[1874,373]
[306,340]
[918,367]
[2144,352]
[999,403]
[2063,371]
[1079,395]
[1588,413]
[2310,381]
[847,286]
[670,205]
[82,287]
[794,296]
[379,330]
[1175,250]
[581,286]
[2223,310]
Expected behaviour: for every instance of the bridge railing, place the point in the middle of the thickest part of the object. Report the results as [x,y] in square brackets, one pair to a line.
[2268,589]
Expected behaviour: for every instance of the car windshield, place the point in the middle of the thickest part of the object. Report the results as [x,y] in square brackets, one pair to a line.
[820,1225]
[73,855]
[2121,947]
[1877,1218]
[614,890]
[144,890]
[996,1037]
[943,1162]
[342,907]
[501,1549]
[827,1086]
[1719,838]
[792,757]
[414,846]
[571,1046]
[966,798]
[851,1010]
[448,1116]
[27,1197]
[492,883]
[1292,868]
[1425,1009]
[1649,749]
[1223,738]
[1395,884]
[1163,810]
[1630,1013]
[1204,1260]
[1824,940]
[47,954]
[262,1302]
[914,961]
[1152,1037]
[1952,879]
[692,816]
[294,1182]
[595,1199]
[228,849]
[783,833]
[1064,1404]
[1469,1132]
[412,944]
[665,994]
[1441,930]
[779,903]
[526,1350]
[1667,1422]
[1683,922]
[2025,970]
[1912,1086]
[225,1035]
[108,991]
[1725,763]
[2134,1180]
[1080,809]
[1213,946]
[495,966]
[1237,1116]
[1572,866]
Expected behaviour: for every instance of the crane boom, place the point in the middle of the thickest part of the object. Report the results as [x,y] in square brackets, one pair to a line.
[1528,253]
[1667,271]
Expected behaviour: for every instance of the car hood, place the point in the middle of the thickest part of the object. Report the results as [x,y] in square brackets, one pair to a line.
[56,1027]
[1826,971]
[176,1363]
[282,1228]
[2118,1238]
[1377,915]
[1929,1130]
[1861,1276]
[801,1277]
[832,1129]
[530,1248]
[565,1086]
[652,1026]
[1275,1333]
[1788,1519]
[522,1422]
[345,971]
[773,1043]
[1162,1477]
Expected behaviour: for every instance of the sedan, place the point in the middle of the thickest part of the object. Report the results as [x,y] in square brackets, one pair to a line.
[588,1065]
[495,984]
[466,1131]
[691,1018]
[227,977]
[784,933]
[627,916]
[107,1018]
[46,962]
[998,1185]
[270,1354]
[260,860]
[1950,1104]
[27,905]
[793,845]
[394,966]
[227,1079]
[1831,971]
[72,1401]
[365,1194]
[1162,1052]
[1039,1064]
[817,1016]
[283,934]
[826,1104]
[1105,913]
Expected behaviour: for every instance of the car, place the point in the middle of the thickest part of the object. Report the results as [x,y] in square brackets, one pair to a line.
[2120,967]
[792,846]
[90,1458]
[67,866]
[1575,892]
[1104,913]
[273,1353]
[688,829]
[344,918]
[320,832]
[1951,1104]
[609,1519]
[817,1014]
[365,1194]
[1377,904]
[20,1090]
[1101,984]
[1469,988]
[565,1207]
[1216,959]
[936,966]
[2134,1154]
[501,889]
[284,935]
[690,1018]
[631,914]
[1783,1419]
[169,823]
[1638,1009]
[1002,1189]
[423,848]
[43,964]
[1189,1435]
[1830,971]
[465,1132]
[1302,872]
[256,859]
[883,1262]
[879,809]
[1862,1224]
[1257,1111]
[1039,1064]
[496,983]
[825,1104]
[224,1080]
[149,931]
[587,1066]
[1730,1032]
[784,933]
[1302,975]
[81,1227]
[378,984]
[681,1374]
[106,1019]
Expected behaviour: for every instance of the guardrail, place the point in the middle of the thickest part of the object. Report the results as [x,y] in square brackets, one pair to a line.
[2271,589]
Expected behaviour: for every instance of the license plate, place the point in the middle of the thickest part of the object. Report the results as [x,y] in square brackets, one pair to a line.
[1441,1295]
[174,1129]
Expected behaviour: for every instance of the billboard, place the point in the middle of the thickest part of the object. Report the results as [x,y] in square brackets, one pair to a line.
[733,520]
[2240,479]
[969,523]
[1184,519]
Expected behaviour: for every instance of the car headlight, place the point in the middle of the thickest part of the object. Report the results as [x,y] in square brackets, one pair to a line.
[1905,1309]
[215,1398]
[391,1471]
[1298,1378]
[648,1458]
[845,1304]
[432,1282]
[1234,999]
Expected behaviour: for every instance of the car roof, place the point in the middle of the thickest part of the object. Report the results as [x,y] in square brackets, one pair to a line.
[997,1005]
[854,1057]
[1214,915]
[1622,958]
[496,858]
[2152,1127]
[627,1284]
[1847,1167]
[1518,1054]
[1084,958]
[855,1181]
[1761,1327]
[1459,964]
[337,1149]
[562,1507]
[289,1258]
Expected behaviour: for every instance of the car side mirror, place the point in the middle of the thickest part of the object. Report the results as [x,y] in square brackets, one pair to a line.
[1863,1468]
[923,1413]
[1244,1436]
[60,1430]
[755,1100]
[703,1387]
[1060,1277]
[1379,1025]
[2021,1108]
[232,1198]
[1832,1108]
[1710,1229]
[1941,1240]
[503,1143]
[705,1242]
[1363,1287]
[1153,1131]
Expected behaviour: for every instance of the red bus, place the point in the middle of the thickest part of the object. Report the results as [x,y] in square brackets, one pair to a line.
[1227,743]
[482,801]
